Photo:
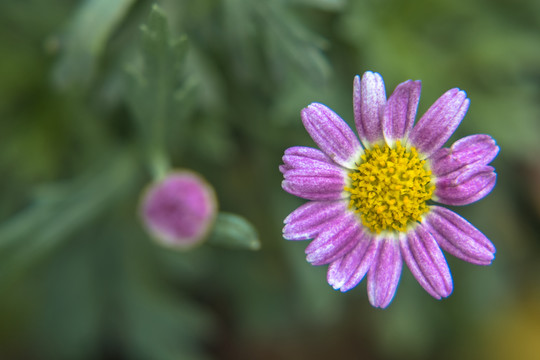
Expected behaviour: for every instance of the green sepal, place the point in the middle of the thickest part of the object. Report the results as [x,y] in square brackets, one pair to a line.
[233,231]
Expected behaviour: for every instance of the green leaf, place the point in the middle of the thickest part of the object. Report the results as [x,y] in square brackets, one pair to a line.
[273,28]
[66,322]
[159,320]
[289,39]
[329,5]
[162,327]
[59,210]
[234,231]
[156,87]
[156,75]
[86,38]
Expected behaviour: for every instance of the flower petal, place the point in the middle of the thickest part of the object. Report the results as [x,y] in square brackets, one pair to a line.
[316,182]
[426,262]
[400,111]
[331,134]
[307,221]
[369,96]
[466,185]
[300,157]
[337,238]
[458,237]
[439,122]
[347,272]
[474,149]
[308,153]
[384,274]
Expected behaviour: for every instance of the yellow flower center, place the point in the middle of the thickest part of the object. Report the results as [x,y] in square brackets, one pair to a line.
[390,187]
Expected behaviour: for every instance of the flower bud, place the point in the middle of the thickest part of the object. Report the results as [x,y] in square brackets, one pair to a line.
[179,210]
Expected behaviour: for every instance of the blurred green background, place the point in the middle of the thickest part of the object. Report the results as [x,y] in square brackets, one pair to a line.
[81,87]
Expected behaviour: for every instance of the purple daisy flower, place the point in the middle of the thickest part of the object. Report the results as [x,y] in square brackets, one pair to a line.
[370,201]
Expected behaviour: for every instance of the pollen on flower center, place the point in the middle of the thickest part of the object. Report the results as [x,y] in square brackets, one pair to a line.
[390,187]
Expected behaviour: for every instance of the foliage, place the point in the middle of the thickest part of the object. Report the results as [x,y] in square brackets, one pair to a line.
[98,98]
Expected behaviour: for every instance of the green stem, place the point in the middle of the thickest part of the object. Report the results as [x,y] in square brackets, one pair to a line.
[159,163]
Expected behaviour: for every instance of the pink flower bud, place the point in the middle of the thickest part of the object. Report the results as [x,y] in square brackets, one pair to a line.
[179,210]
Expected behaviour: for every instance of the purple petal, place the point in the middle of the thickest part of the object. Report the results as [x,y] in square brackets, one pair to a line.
[308,153]
[316,167]
[426,262]
[347,272]
[384,274]
[337,238]
[331,134]
[400,111]
[439,122]
[315,183]
[474,149]
[466,185]
[458,237]
[307,171]
[307,221]
[300,157]
[369,96]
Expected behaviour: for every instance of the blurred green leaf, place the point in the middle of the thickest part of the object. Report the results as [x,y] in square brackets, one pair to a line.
[85,39]
[59,210]
[235,232]
[272,28]
[155,93]
[330,5]
[289,39]
[68,283]
[159,320]
[213,140]
[164,328]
